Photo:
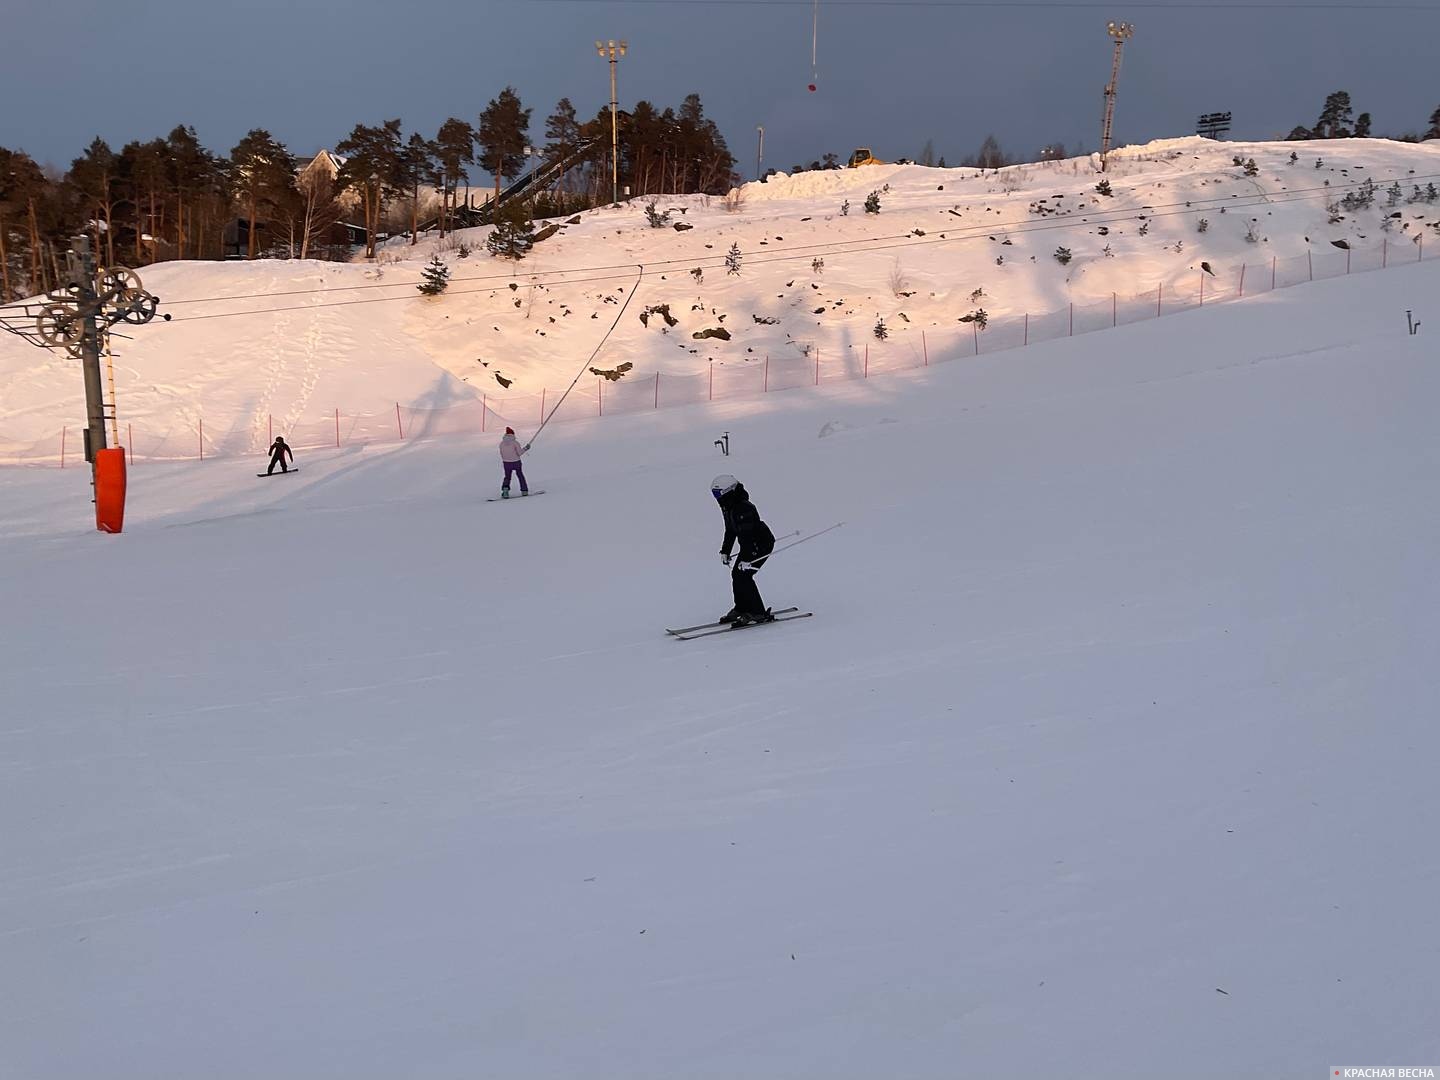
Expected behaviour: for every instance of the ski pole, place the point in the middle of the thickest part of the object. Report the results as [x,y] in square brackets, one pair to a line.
[802,540]
[785,537]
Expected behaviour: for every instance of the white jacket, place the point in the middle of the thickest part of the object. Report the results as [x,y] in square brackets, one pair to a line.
[510,448]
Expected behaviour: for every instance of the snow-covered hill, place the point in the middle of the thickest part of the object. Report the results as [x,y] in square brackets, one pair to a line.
[1108,752]
[275,346]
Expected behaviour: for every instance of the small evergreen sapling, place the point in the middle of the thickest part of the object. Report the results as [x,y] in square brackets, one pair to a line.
[872,203]
[880,331]
[655,217]
[732,260]
[1252,169]
[436,277]
[513,235]
[845,208]
[1203,225]
[1103,188]
[1063,256]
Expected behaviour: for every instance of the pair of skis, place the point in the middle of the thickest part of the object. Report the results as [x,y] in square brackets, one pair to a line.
[690,633]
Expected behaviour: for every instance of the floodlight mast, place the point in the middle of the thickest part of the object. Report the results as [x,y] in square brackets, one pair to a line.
[1119,33]
[613,50]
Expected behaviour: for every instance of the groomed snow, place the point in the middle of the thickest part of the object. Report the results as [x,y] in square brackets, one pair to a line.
[1109,752]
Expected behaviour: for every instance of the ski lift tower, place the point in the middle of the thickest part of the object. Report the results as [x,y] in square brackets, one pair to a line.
[1119,33]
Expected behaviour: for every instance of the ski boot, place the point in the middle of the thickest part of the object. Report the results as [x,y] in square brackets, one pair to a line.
[730,616]
[524,493]
[749,618]
[504,493]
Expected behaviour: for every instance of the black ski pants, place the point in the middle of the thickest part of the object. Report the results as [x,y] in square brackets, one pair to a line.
[277,458]
[747,595]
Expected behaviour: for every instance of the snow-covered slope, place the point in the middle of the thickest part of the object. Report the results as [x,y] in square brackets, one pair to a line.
[1109,752]
[296,342]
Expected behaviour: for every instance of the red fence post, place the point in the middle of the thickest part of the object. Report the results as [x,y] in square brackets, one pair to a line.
[542,406]
[1347,260]
[657,389]
[1384,253]
[1421,256]
[398,426]
[337,429]
[975,333]
[924,348]
[1310,257]
[817,365]
[1160,300]
[63,432]
[1027,328]
[484,408]
[1202,288]
[765,386]
[130,438]
[1274,262]
[1072,318]
[1114,310]
[867,360]
[600,395]
[712,381]
[202,438]
[1242,281]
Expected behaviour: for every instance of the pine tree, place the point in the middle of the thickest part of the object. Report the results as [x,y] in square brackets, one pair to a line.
[262,169]
[436,277]
[1103,188]
[1434,132]
[1362,126]
[501,134]
[1251,168]
[370,169]
[1334,122]
[454,149]
[1063,256]
[562,135]
[417,167]
[514,232]
[94,175]
[732,259]
[872,203]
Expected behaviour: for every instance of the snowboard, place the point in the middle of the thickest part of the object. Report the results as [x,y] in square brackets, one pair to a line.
[293,468]
[690,633]
[515,498]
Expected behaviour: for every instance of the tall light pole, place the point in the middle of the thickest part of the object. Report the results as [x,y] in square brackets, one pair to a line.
[759,151]
[1119,33]
[613,50]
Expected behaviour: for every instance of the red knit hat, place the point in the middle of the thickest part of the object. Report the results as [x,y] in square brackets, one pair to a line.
[509,431]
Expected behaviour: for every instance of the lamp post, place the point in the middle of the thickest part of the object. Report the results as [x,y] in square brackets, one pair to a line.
[759,151]
[1119,33]
[613,50]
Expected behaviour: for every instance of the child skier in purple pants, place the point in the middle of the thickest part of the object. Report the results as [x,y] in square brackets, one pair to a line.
[510,451]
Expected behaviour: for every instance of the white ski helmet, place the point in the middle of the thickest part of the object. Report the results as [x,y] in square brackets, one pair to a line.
[723,483]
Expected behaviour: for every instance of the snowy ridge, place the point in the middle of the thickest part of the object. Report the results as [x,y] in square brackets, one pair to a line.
[297,343]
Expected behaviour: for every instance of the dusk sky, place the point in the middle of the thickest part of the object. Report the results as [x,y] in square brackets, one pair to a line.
[891,74]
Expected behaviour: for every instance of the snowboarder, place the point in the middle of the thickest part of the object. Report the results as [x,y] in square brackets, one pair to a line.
[279,451]
[510,452]
[743,524]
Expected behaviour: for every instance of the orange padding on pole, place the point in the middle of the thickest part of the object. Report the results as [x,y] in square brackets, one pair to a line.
[110,490]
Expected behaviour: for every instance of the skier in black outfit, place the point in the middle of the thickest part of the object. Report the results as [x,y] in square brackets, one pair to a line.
[742,523]
[279,451]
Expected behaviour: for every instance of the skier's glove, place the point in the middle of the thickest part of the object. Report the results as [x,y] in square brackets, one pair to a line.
[743,565]
[725,557]
[527,446]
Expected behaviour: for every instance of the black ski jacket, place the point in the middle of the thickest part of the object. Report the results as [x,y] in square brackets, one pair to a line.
[280,449]
[742,523]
